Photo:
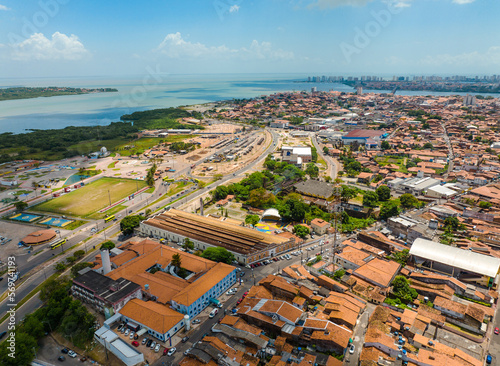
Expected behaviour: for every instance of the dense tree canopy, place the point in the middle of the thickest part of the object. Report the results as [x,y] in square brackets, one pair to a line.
[129,223]
[218,254]
[301,231]
[370,199]
[408,200]
[383,193]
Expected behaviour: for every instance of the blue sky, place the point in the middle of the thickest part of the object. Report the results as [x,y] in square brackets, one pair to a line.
[51,38]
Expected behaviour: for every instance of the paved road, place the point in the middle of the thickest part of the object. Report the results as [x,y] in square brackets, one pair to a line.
[329,161]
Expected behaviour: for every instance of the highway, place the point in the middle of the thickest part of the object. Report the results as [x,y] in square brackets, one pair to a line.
[329,161]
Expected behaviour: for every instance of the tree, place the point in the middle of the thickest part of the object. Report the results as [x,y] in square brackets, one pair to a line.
[218,254]
[408,200]
[79,266]
[71,260]
[325,150]
[252,220]
[220,193]
[20,205]
[385,145]
[401,288]
[388,209]
[176,260]
[301,231]
[428,146]
[129,223]
[484,204]
[339,274]
[383,193]
[107,245]
[22,354]
[78,254]
[188,244]
[370,199]
[312,170]
[293,210]
[453,224]
[401,257]
[261,198]
[60,267]
[348,193]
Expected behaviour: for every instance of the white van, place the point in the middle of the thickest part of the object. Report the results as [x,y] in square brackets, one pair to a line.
[213,313]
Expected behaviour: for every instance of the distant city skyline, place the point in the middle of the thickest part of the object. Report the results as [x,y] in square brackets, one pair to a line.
[61,38]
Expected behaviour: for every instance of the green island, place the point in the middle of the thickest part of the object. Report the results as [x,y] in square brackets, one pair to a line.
[72,141]
[50,91]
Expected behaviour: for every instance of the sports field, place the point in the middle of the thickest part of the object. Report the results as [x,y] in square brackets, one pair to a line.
[92,197]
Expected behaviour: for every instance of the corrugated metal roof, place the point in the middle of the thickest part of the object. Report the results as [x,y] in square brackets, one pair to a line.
[455,257]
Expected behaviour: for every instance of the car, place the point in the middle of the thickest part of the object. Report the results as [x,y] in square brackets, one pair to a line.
[229,293]
[246,293]
[61,358]
[488,359]
[351,350]
[153,345]
[135,344]
[242,274]
[148,343]
[185,339]
[496,331]
[238,269]
[131,335]
[72,354]
[127,332]
[144,341]
[2,334]
[171,351]
[165,351]
[186,352]
[64,350]
[157,348]
[136,336]
[196,321]
[83,359]
[239,301]
[120,327]
[213,313]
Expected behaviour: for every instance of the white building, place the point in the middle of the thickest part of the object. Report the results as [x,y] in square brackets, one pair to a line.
[440,192]
[129,355]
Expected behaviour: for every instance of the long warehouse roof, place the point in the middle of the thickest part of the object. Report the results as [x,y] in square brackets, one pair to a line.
[456,257]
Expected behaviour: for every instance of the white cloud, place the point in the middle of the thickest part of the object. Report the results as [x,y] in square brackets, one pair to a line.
[59,47]
[174,46]
[461,2]
[489,58]
[3,7]
[234,9]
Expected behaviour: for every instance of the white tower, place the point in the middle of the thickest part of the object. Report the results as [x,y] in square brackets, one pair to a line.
[106,262]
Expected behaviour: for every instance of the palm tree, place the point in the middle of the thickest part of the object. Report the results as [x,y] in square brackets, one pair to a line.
[35,186]
[176,261]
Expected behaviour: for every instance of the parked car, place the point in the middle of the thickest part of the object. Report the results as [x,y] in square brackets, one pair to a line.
[488,359]
[185,339]
[171,351]
[242,274]
[64,350]
[2,334]
[148,343]
[135,344]
[165,351]
[157,348]
[196,321]
[72,354]
[83,359]
[153,345]
[132,335]
[127,332]
[144,341]
[61,358]
[351,350]
[213,313]
[186,352]
[496,331]
[120,327]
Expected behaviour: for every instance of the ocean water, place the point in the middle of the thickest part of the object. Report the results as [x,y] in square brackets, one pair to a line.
[141,93]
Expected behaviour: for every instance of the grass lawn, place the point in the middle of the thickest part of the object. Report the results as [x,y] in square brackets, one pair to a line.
[92,197]
[178,187]
[111,211]
[75,224]
[112,165]
[386,160]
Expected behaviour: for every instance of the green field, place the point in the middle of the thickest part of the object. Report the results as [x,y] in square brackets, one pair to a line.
[87,200]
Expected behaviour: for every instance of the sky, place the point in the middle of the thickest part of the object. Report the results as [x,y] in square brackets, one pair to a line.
[70,38]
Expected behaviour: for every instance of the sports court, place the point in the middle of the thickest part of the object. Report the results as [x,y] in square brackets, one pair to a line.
[55,221]
[24,217]
[269,226]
